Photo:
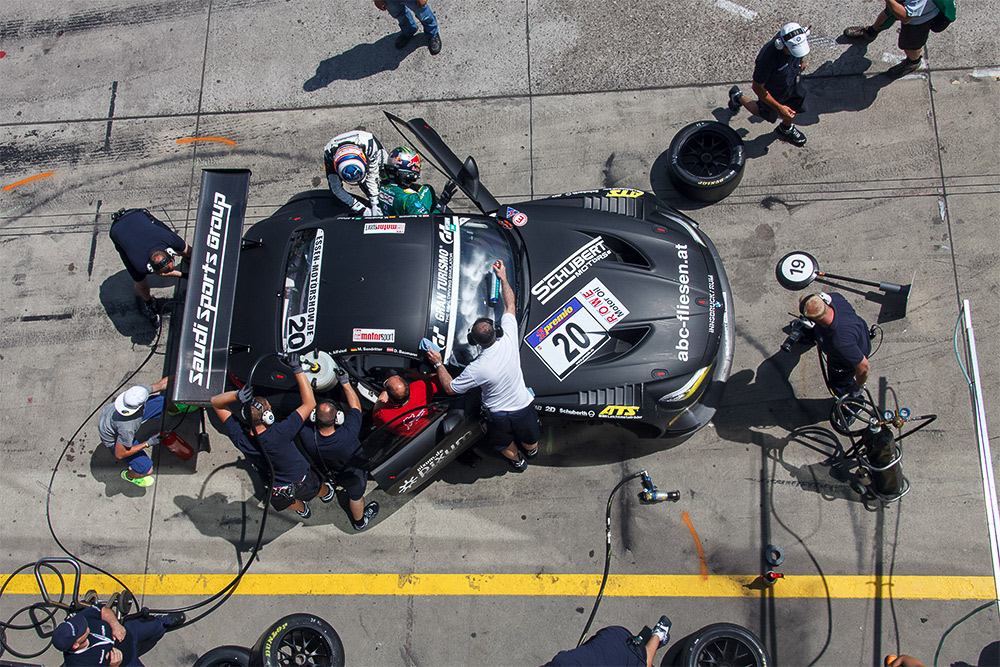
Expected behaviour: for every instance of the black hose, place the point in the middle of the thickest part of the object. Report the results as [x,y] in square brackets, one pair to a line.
[607,555]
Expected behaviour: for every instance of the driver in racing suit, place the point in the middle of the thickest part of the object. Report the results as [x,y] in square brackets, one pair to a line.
[356,158]
[399,194]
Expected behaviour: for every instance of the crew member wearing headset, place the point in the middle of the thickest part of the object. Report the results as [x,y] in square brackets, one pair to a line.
[617,646]
[294,480]
[843,336]
[497,370]
[339,449]
[776,83]
[95,636]
[355,158]
[144,244]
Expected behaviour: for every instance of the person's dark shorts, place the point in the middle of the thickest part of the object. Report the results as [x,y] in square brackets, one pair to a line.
[796,101]
[307,489]
[519,426]
[840,380]
[353,481]
[913,37]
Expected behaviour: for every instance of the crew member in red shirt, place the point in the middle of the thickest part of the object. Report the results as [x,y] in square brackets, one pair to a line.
[399,398]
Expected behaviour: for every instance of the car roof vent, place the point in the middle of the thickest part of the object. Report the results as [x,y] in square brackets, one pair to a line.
[630,206]
[625,252]
[626,394]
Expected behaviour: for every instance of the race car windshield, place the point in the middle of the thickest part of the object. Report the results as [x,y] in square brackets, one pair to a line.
[481,244]
[301,288]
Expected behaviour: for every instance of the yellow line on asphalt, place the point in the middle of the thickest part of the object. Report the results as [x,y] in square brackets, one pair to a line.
[568,585]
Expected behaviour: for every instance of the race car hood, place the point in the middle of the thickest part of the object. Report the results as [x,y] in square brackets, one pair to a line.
[646,294]
[360,305]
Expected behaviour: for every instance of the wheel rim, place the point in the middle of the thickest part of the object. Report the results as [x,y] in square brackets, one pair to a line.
[304,648]
[727,652]
[705,154]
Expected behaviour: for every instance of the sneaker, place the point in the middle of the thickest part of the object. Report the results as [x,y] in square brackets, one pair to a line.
[150,311]
[791,134]
[402,40]
[371,511]
[531,453]
[173,619]
[520,465]
[662,630]
[734,99]
[861,33]
[330,496]
[434,44]
[306,512]
[902,69]
[138,481]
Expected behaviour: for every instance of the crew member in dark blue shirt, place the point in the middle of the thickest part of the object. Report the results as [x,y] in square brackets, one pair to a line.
[614,646]
[339,450]
[142,241]
[776,82]
[95,636]
[294,480]
[843,337]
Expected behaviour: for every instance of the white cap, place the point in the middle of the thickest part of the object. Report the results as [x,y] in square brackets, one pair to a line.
[131,401]
[794,37]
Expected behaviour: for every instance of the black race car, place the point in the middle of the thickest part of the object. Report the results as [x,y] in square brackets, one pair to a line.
[624,309]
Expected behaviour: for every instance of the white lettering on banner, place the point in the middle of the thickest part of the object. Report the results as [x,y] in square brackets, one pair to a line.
[682,311]
[300,329]
[374,335]
[570,268]
[203,326]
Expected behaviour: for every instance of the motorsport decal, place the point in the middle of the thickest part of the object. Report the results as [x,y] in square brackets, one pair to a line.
[621,192]
[682,311]
[385,228]
[444,292]
[569,336]
[373,335]
[515,216]
[570,268]
[203,351]
[300,329]
[620,412]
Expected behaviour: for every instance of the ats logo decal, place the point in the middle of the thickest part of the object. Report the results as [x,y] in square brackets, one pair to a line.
[620,412]
[619,192]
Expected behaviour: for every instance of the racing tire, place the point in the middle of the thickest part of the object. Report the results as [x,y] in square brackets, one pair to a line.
[298,639]
[706,161]
[225,656]
[723,644]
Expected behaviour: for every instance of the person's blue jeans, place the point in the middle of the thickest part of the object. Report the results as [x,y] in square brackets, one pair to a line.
[398,10]
[140,461]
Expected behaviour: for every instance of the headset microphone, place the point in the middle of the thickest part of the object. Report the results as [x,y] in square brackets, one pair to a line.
[650,494]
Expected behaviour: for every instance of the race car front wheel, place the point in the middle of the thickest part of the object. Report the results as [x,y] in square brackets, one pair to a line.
[706,161]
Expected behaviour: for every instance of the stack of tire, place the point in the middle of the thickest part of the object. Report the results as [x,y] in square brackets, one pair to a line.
[297,639]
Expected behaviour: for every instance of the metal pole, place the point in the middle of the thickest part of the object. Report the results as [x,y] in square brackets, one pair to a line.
[985,456]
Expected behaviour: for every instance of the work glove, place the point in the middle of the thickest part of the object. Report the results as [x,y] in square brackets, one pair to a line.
[858,392]
[153,440]
[342,376]
[293,360]
[245,395]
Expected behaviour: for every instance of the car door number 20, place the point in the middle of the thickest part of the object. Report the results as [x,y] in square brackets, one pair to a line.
[573,341]
[295,336]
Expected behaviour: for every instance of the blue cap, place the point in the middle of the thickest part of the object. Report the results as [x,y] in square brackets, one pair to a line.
[67,632]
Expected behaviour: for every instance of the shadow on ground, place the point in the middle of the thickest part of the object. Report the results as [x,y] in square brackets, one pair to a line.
[360,62]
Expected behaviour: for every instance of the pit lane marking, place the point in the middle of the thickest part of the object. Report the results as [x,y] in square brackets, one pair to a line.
[221,140]
[697,543]
[739,10]
[897,587]
[27,180]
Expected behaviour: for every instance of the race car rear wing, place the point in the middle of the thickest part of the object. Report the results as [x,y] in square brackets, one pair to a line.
[203,351]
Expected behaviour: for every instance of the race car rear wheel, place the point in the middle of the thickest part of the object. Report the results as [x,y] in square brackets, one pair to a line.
[707,160]
[299,639]
[724,644]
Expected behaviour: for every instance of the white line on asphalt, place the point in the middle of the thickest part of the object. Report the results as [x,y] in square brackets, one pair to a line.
[986,72]
[739,10]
